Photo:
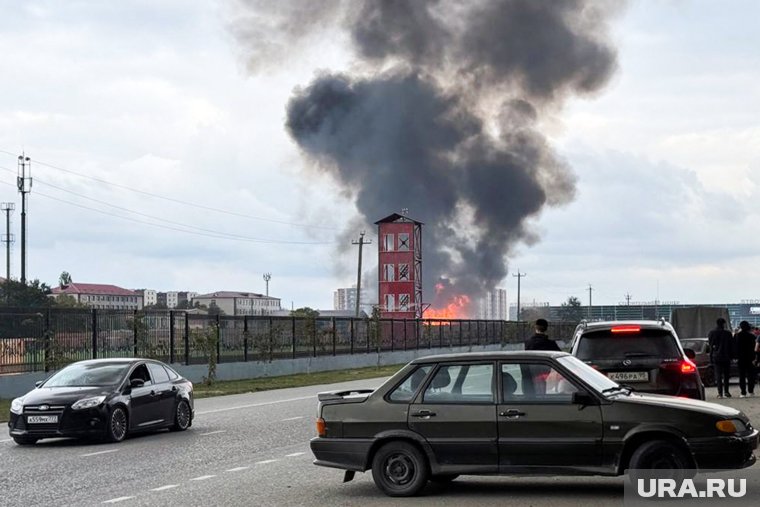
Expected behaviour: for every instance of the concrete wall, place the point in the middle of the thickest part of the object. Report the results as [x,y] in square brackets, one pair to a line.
[12,386]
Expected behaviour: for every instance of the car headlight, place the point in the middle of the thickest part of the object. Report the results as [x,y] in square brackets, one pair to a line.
[88,402]
[17,405]
[731,426]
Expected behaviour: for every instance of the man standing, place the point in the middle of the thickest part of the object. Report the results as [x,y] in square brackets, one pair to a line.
[745,353]
[721,352]
[540,340]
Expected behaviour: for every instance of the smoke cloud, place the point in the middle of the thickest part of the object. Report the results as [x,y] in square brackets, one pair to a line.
[444,118]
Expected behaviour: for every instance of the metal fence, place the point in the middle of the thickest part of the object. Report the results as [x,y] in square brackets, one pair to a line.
[47,338]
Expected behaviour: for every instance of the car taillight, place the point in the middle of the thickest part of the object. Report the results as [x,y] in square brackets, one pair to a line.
[625,329]
[321,427]
[688,367]
[683,366]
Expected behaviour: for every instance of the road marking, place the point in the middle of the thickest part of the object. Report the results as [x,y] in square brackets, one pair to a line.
[99,452]
[254,405]
[293,418]
[203,477]
[294,454]
[164,488]
[213,432]
[238,469]
[265,461]
[120,499]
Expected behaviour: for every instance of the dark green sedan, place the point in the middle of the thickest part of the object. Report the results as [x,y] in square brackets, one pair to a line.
[518,413]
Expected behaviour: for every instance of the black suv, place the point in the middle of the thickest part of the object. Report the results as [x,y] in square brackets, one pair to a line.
[645,355]
[518,413]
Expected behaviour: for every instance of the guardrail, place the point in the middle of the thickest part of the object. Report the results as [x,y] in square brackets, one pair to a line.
[45,339]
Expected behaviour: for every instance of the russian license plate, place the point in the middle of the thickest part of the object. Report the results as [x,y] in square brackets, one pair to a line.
[629,376]
[42,419]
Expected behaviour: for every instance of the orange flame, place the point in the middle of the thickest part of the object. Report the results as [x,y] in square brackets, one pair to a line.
[457,308]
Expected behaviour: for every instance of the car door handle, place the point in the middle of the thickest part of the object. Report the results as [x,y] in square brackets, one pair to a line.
[174,389]
[155,393]
[424,413]
[512,413]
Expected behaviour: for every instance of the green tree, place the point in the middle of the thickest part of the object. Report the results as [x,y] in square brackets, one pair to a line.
[571,310]
[213,309]
[64,279]
[68,301]
[33,294]
[305,313]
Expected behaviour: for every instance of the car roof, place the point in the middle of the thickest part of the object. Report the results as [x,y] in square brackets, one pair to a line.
[125,360]
[490,356]
[607,324]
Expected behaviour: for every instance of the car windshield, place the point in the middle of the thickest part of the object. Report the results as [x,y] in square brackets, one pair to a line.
[698,346]
[598,381]
[86,375]
[606,345]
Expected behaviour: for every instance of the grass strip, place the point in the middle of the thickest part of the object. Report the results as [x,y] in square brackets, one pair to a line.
[221,388]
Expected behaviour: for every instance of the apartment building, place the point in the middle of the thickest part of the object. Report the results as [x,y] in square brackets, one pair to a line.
[101,296]
[240,303]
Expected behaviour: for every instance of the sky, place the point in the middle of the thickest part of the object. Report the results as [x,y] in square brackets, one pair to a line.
[160,158]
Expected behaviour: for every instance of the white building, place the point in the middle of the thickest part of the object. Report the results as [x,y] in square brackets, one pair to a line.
[150,296]
[345,299]
[493,305]
[240,303]
[524,305]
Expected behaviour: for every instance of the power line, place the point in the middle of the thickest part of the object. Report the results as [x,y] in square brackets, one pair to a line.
[174,200]
[160,219]
[217,235]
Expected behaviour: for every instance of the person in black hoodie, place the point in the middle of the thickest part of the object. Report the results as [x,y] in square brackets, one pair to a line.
[540,340]
[745,353]
[721,352]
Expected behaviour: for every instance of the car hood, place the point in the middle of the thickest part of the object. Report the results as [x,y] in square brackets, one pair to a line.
[675,402]
[62,395]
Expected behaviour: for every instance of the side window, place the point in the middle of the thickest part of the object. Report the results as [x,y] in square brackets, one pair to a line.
[158,373]
[389,246]
[403,272]
[468,383]
[532,382]
[403,242]
[406,389]
[173,375]
[390,271]
[141,372]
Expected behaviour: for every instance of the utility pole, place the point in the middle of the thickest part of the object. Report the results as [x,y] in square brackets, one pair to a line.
[361,244]
[8,208]
[590,290]
[628,299]
[24,184]
[267,277]
[519,277]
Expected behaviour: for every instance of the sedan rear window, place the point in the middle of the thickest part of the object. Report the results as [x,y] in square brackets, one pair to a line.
[603,345]
[698,346]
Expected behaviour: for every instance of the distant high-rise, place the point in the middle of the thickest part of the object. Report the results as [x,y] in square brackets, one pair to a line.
[345,299]
[493,305]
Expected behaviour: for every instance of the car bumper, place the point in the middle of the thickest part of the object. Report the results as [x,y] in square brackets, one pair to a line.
[84,423]
[344,453]
[725,453]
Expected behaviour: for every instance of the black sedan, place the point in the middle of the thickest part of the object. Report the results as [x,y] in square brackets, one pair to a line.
[104,398]
[519,413]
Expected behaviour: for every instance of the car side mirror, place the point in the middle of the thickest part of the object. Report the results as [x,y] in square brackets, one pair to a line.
[583,398]
[690,353]
[136,382]
[38,383]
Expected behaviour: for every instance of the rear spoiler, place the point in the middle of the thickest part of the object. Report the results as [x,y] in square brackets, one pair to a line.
[339,395]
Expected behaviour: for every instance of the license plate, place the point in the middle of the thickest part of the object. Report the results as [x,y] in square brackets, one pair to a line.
[42,419]
[629,376]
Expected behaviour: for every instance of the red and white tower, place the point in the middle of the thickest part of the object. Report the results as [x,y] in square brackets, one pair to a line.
[400,267]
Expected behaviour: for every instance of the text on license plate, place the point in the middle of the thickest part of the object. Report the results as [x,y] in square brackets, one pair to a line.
[629,376]
[42,419]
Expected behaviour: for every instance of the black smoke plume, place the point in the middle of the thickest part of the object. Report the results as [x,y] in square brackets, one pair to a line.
[444,119]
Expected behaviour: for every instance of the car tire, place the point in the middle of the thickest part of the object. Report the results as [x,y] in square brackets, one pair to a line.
[443,479]
[400,469]
[182,416]
[709,379]
[661,455]
[118,425]
[25,440]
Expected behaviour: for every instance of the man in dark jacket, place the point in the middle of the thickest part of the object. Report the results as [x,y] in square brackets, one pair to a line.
[745,354]
[540,341]
[721,352]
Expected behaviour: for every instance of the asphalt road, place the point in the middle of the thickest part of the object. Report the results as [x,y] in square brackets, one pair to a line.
[252,450]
